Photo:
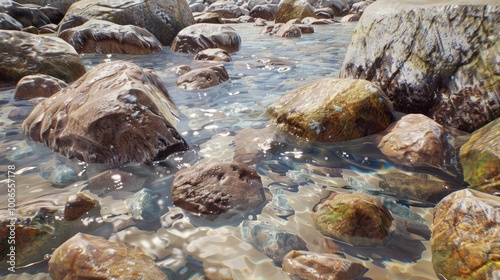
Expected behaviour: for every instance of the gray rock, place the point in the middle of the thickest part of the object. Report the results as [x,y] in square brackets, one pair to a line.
[293,9]
[144,205]
[9,23]
[203,78]
[202,36]
[63,175]
[225,9]
[213,55]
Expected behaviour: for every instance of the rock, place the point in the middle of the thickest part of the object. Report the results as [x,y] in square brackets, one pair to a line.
[26,15]
[350,17]
[253,145]
[324,13]
[280,203]
[415,140]
[341,110]
[292,9]
[480,158]
[225,9]
[19,113]
[202,36]
[339,7]
[85,256]
[39,85]
[213,55]
[77,205]
[31,29]
[266,11]
[358,218]
[309,265]
[253,3]
[217,187]
[104,37]
[271,240]
[305,28]
[62,5]
[197,7]
[427,59]
[164,19]
[213,18]
[62,176]
[9,23]
[25,54]
[48,28]
[315,21]
[180,70]
[289,30]
[203,78]
[116,113]
[178,265]
[217,272]
[464,241]
[359,7]
[144,205]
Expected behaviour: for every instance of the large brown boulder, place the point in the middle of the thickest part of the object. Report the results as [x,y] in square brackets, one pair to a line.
[162,18]
[465,240]
[89,257]
[202,36]
[23,54]
[292,9]
[101,36]
[117,113]
[439,59]
[332,110]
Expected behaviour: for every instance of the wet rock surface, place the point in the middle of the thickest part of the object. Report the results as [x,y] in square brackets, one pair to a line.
[77,205]
[144,205]
[202,36]
[39,85]
[203,78]
[213,55]
[290,9]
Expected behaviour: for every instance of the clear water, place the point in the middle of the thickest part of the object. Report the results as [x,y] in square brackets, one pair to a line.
[209,121]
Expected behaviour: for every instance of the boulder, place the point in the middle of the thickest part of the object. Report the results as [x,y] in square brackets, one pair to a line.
[225,9]
[350,17]
[164,19]
[213,18]
[339,7]
[215,54]
[332,110]
[217,187]
[104,37]
[265,11]
[464,241]
[292,9]
[116,113]
[77,205]
[203,78]
[202,36]
[39,85]
[62,5]
[25,54]
[9,23]
[480,158]
[435,58]
[289,30]
[89,257]
[197,7]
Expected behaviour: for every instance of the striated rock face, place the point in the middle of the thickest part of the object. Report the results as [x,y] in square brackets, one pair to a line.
[465,237]
[116,113]
[480,158]
[39,85]
[332,110]
[23,54]
[164,19]
[203,78]
[433,58]
[217,187]
[202,36]
[89,257]
[292,9]
[100,36]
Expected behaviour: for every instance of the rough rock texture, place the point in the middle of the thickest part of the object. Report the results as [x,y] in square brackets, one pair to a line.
[162,18]
[309,265]
[465,240]
[77,205]
[415,140]
[202,36]
[100,36]
[432,58]
[213,55]
[23,54]
[116,113]
[332,110]
[480,158]
[292,9]
[203,78]
[358,218]
[39,85]
[89,257]
[217,187]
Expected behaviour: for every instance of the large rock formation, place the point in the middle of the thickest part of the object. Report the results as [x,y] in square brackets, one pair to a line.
[438,58]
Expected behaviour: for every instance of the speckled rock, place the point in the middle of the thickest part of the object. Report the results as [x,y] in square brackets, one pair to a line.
[480,158]
[464,241]
[104,37]
[203,78]
[332,110]
[77,205]
[202,36]
[89,257]
[39,85]
[144,205]
[116,113]
[213,55]
[292,9]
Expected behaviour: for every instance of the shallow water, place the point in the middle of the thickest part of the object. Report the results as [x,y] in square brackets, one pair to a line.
[209,121]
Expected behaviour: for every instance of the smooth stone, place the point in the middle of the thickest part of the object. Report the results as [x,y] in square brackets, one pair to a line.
[292,9]
[265,11]
[19,113]
[280,203]
[213,55]
[144,205]
[77,205]
[225,9]
[203,78]
[62,176]
[62,5]
[350,17]
[289,30]
[209,17]
[9,23]
[202,36]
[39,85]
[178,265]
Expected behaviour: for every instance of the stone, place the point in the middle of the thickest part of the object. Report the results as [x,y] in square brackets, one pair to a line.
[202,36]
[280,203]
[350,17]
[31,29]
[85,256]
[213,18]
[26,15]
[225,9]
[62,5]
[332,110]
[217,272]
[415,140]
[117,113]
[292,9]
[266,11]
[77,205]
[310,265]
[358,218]
[315,21]
[62,176]
[217,187]
[104,37]
[339,7]
[289,30]
[9,23]
[203,78]
[253,145]
[144,205]
[359,7]
[24,54]
[178,265]
[464,241]
[38,85]
[164,19]
[48,28]
[197,7]
[19,113]
[439,59]
[271,240]
[480,158]
[215,54]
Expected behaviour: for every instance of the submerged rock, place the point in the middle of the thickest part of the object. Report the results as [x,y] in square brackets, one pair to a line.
[292,9]
[464,241]
[63,175]
[203,78]
[77,205]
[215,54]
[202,36]
[144,205]
[116,113]
[332,110]
[89,257]
[39,85]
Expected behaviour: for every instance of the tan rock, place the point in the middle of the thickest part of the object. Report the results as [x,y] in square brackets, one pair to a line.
[203,78]
[39,85]
[202,36]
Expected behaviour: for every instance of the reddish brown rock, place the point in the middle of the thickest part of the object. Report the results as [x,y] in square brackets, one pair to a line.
[39,85]
[202,36]
[77,205]
[213,55]
[203,78]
